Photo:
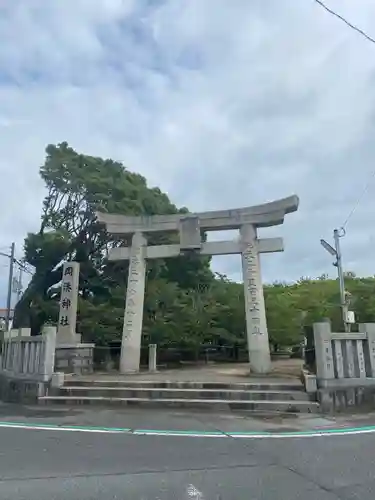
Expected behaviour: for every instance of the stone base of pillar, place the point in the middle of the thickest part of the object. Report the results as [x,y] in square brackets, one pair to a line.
[260,362]
[130,359]
[74,358]
[63,338]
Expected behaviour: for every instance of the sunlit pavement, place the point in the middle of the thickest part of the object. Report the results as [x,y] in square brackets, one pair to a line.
[62,464]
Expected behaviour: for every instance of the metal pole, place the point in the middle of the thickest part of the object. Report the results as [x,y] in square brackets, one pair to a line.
[344,307]
[10,279]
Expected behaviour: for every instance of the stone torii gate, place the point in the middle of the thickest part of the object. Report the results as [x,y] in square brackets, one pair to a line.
[189,227]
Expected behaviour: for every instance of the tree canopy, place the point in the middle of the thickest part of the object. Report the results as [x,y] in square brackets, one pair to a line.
[185,303]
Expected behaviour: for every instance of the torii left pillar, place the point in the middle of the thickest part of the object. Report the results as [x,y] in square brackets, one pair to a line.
[256,322]
[132,329]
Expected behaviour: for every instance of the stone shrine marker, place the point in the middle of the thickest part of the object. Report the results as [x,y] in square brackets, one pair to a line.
[71,355]
[66,330]
[190,227]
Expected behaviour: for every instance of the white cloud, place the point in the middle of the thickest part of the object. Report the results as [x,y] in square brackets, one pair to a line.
[221,104]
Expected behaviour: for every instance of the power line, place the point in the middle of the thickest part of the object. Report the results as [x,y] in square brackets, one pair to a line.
[22,265]
[357,203]
[372,40]
[352,26]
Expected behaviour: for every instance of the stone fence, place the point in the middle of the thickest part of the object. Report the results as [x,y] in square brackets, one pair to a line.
[345,366]
[26,364]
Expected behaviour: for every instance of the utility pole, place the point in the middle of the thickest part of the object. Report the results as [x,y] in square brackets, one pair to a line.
[336,252]
[12,260]
[344,306]
[10,281]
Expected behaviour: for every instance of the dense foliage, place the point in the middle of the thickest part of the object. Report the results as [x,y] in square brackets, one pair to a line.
[185,304]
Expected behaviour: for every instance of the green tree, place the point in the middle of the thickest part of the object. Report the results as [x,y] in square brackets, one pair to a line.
[186,305]
[284,317]
[77,186]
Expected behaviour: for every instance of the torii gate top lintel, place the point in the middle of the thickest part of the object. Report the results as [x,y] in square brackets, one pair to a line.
[267,214]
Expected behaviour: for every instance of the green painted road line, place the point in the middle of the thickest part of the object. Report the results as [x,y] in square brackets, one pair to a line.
[182,432]
[82,428]
[191,433]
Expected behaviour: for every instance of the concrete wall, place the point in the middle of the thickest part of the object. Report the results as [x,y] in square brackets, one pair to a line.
[74,358]
[21,391]
[347,399]
[345,368]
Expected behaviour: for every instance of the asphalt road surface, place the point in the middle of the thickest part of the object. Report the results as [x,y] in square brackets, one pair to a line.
[46,465]
[62,465]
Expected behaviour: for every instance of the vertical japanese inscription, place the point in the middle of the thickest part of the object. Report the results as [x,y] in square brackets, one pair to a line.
[135,280]
[68,300]
[252,284]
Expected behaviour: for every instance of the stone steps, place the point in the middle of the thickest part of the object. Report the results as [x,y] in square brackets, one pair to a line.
[264,406]
[261,397]
[182,393]
[249,386]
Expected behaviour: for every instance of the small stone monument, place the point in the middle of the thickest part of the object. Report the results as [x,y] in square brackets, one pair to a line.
[72,356]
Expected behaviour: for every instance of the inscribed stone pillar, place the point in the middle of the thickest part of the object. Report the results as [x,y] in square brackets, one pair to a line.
[132,330]
[256,323]
[66,331]
[323,350]
[369,329]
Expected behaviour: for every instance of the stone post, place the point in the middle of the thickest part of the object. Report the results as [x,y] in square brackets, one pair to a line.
[369,329]
[256,323]
[323,351]
[24,332]
[152,358]
[132,330]
[49,333]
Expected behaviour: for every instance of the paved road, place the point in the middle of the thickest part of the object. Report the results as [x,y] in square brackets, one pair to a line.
[59,465]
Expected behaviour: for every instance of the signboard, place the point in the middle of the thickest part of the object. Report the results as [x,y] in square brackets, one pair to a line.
[328,247]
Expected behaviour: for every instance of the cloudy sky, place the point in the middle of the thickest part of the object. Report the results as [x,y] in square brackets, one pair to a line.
[220,103]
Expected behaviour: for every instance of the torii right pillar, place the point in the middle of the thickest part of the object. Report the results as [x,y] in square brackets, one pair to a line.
[256,322]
